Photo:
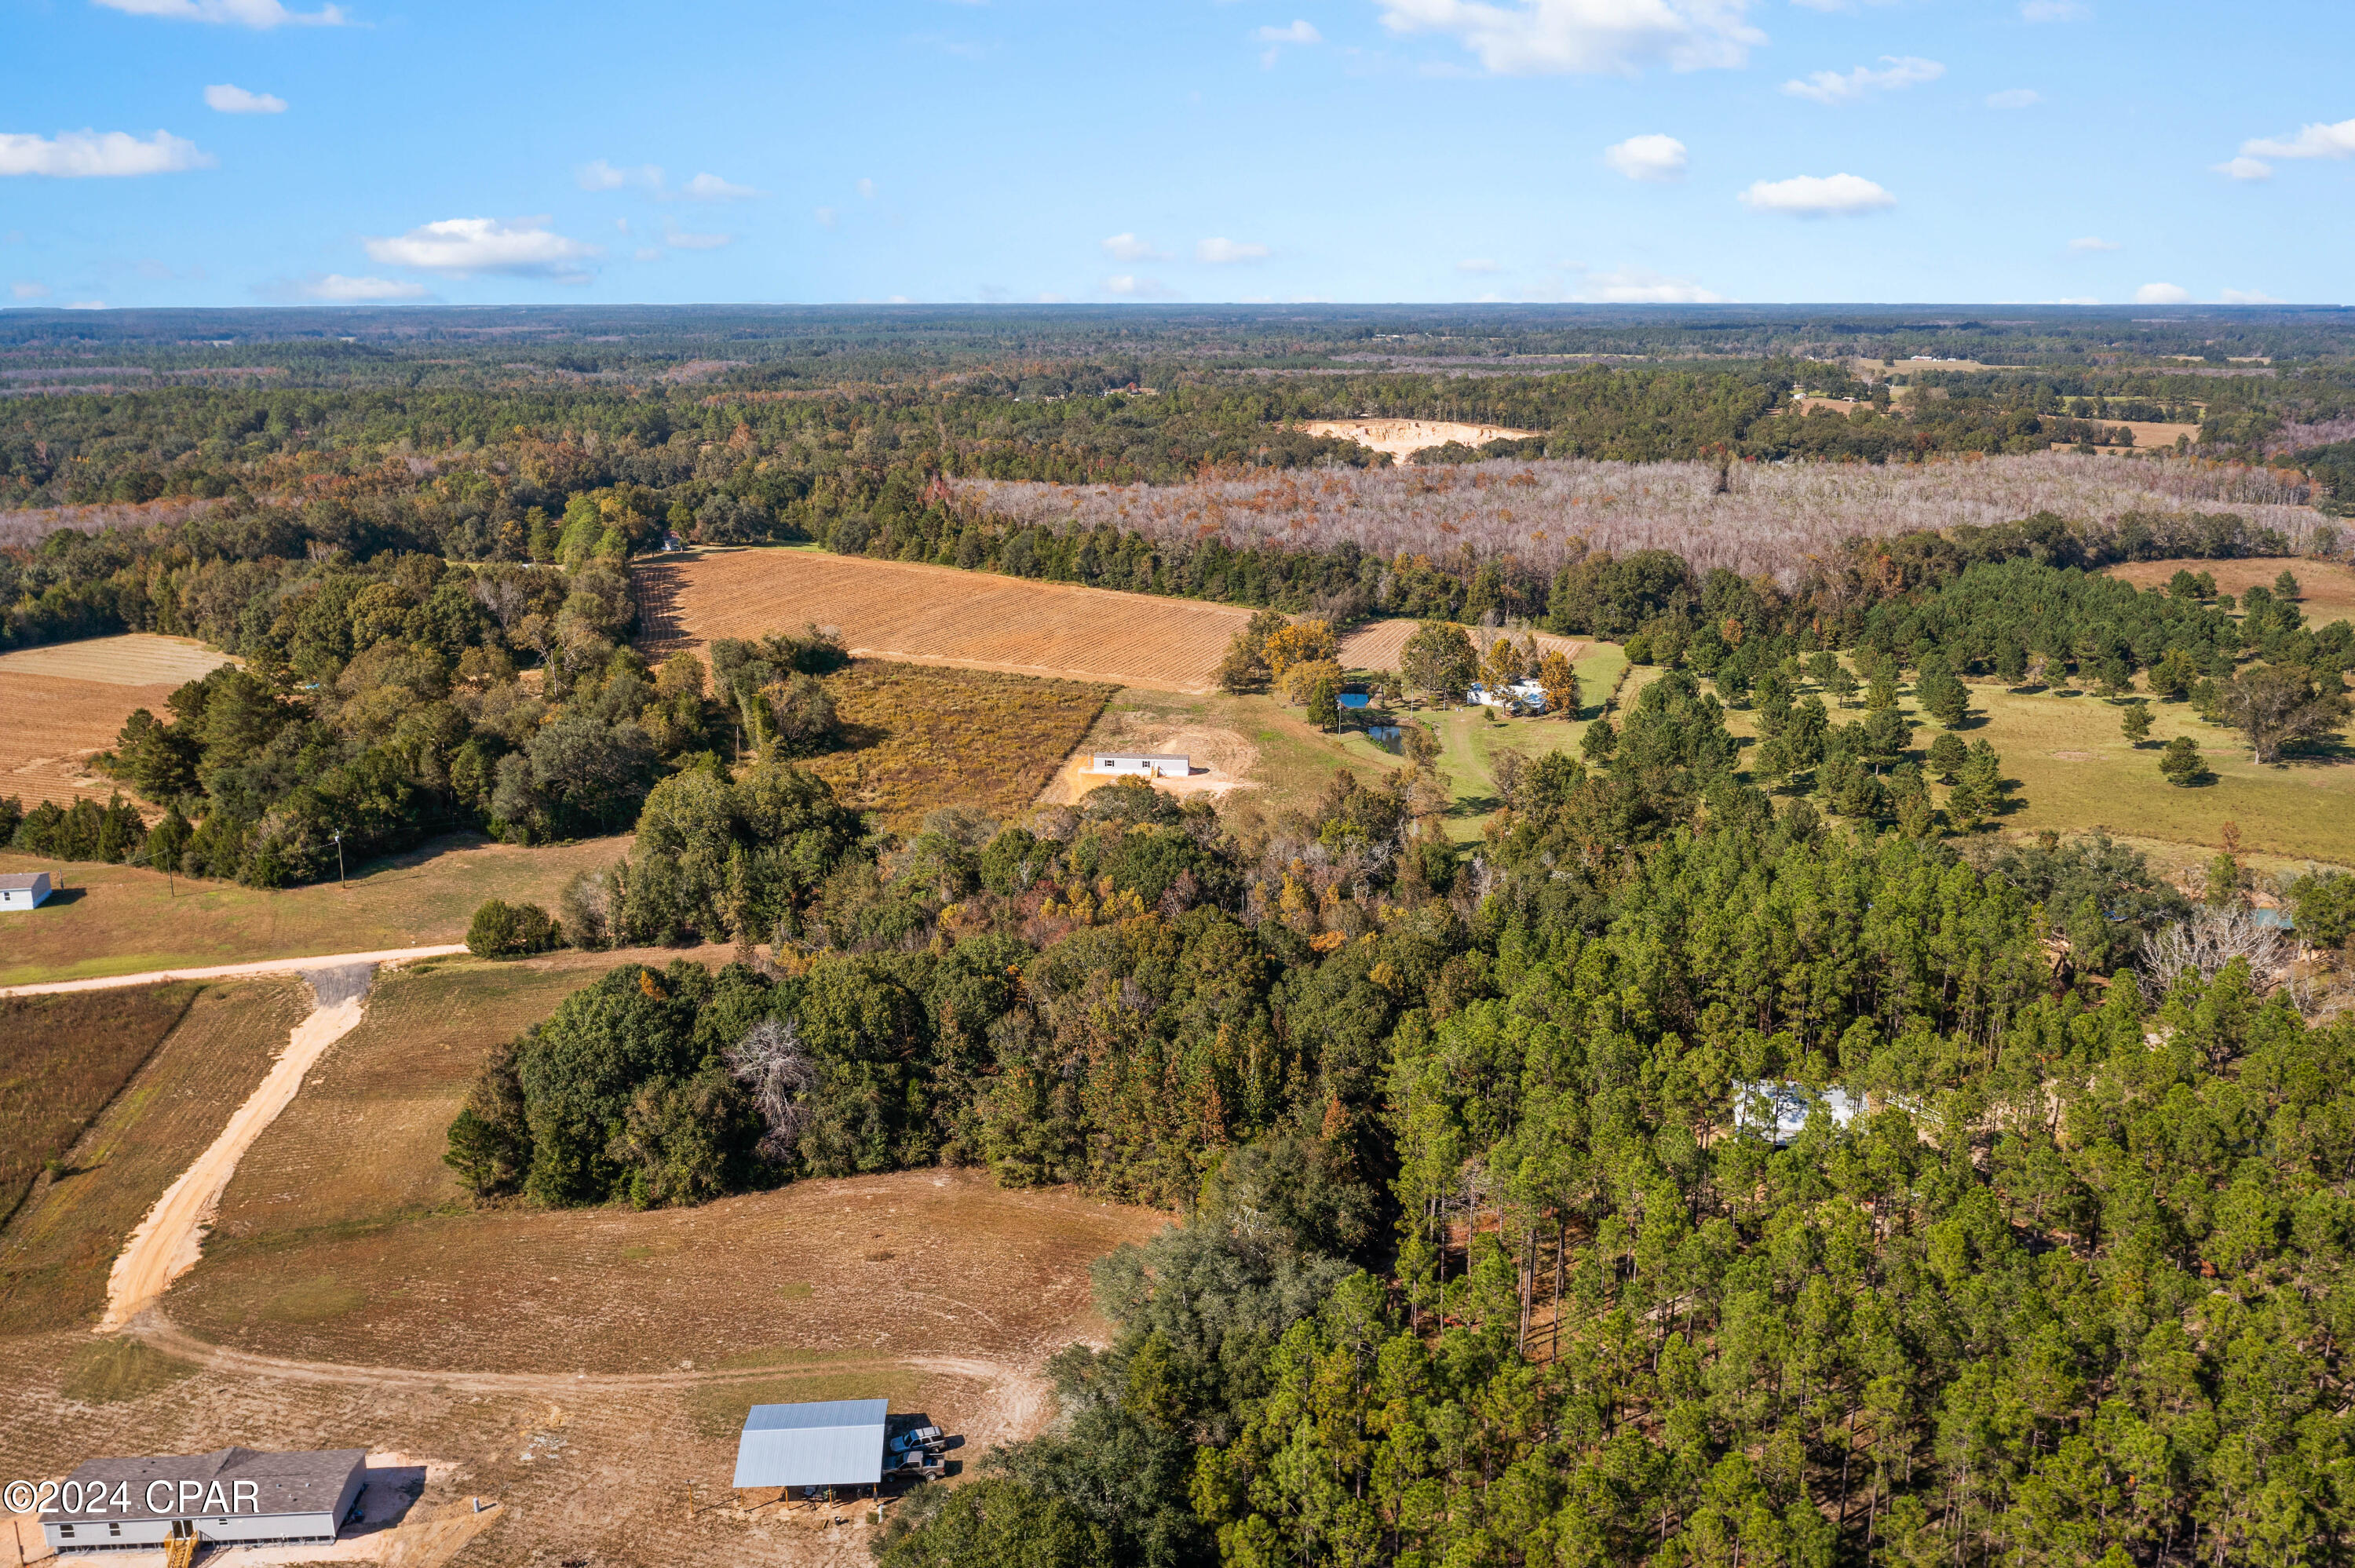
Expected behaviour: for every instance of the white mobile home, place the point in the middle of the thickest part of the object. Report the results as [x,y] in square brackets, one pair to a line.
[1143,764]
[228,1494]
[23,889]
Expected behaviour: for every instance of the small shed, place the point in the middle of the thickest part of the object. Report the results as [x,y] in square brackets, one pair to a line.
[1781,1108]
[834,1443]
[23,889]
[239,1495]
[1143,764]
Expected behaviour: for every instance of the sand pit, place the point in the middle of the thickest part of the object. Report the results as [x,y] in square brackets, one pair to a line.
[1403,438]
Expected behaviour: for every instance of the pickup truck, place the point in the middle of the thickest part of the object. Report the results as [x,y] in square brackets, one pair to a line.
[922,1438]
[920,1461]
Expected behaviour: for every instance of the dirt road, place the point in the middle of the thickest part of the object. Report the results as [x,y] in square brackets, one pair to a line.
[169,1241]
[232,971]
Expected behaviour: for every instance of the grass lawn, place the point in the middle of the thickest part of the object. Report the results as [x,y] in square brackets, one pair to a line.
[120,919]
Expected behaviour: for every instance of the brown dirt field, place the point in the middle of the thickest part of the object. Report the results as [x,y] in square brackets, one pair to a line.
[134,659]
[2328,589]
[2149,435]
[1380,644]
[919,738]
[54,726]
[1403,438]
[938,615]
[54,1255]
[120,919]
[62,1058]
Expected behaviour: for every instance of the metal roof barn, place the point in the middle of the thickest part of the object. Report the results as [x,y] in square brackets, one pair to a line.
[837,1443]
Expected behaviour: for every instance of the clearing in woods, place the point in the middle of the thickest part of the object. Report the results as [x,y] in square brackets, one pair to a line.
[937,615]
[2326,588]
[1380,644]
[66,701]
[124,919]
[1401,439]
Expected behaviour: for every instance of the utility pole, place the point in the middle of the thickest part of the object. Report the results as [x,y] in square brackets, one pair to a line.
[338,836]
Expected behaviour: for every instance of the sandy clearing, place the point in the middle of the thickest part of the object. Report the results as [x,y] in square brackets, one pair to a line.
[1221,759]
[386,958]
[134,659]
[1403,438]
[170,1240]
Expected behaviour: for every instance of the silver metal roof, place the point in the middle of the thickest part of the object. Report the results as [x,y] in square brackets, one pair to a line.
[837,1443]
[20,881]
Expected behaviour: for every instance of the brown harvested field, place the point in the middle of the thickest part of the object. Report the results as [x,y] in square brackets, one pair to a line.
[67,700]
[1381,644]
[939,615]
[55,1253]
[134,659]
[2149,435]
[918,738]
[62,1058]
[121,919]
[2326,588]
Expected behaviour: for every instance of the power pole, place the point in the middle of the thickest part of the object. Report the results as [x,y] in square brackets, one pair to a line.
[338,836]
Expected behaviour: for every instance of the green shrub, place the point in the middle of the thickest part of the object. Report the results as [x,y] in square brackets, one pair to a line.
[503,930]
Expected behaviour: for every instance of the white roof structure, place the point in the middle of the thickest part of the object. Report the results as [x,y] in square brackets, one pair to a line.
[836,1443]
[1787,1107]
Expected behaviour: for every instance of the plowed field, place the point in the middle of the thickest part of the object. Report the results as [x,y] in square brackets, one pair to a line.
[68,700]
[939,615]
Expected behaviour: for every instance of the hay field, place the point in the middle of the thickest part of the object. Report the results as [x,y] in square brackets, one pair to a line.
[62,1058]
[2326,588]
[1381,644]
[918,738]
[134,659]
[939,615]
[55,1253]
[124,919]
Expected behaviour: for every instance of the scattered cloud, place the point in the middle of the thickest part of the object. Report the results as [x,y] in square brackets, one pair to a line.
[463,247]
[2054,10]
[866,189]
[333,288]
[679,240]
[1298,33]
[91,155]
[2161,295]
[1655,159]
[828,217]
[1818,196]
[647,253]
[84,305]
[29,291]
[711,187]
[1130,287]
[1578,38]
[1223,252]
[1835,5]
[2246,168]
[2311,142]
[2093,242]
[2077,300]
[2015,98]
[229,100]
[2248,297]
[1837,86]
[1641,286]
[1129,247]
[1478,266]
[262,14]
[601,175]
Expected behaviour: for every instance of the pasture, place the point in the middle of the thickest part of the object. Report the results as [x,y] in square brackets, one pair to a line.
[918,738]
[62,1058]
[938,615]
[124,919]
[2326,588]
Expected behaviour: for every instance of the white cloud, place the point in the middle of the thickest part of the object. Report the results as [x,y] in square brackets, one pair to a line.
[711,187]
[1836,87]
[2015,98]
[2246,168]
[1221,252]
[601,175]
[647,253]
[828,217]
[1130,287]
[679,240]
[29,291]
[2311,142]
[2248,297]
[1556,37]
[866,189]
[1835,5]
[229,100]
[1654,158]
[2161,295]
[336,289]
[262,14]
[1129,247]
[90,155]
[84,305]
[2053,11]
[1818,196]
[1478,266]
[463,247]
[1298,33]
[1641,286]
[2093,242]
[2077,300]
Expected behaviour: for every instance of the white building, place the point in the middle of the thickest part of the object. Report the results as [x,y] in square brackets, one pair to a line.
[23,889]
[1527,695]
[1781,1108]
[1143,764]
[228,1494]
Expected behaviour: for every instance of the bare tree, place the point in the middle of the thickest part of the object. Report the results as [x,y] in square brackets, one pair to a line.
[771,1061]
[2213,938]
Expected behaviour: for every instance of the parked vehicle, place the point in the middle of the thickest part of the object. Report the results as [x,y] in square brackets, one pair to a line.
[922,1438]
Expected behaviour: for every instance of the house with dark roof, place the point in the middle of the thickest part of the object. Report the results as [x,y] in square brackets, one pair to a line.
[230,1494]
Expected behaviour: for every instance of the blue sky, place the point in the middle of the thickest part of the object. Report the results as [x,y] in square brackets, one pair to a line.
[244,151]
